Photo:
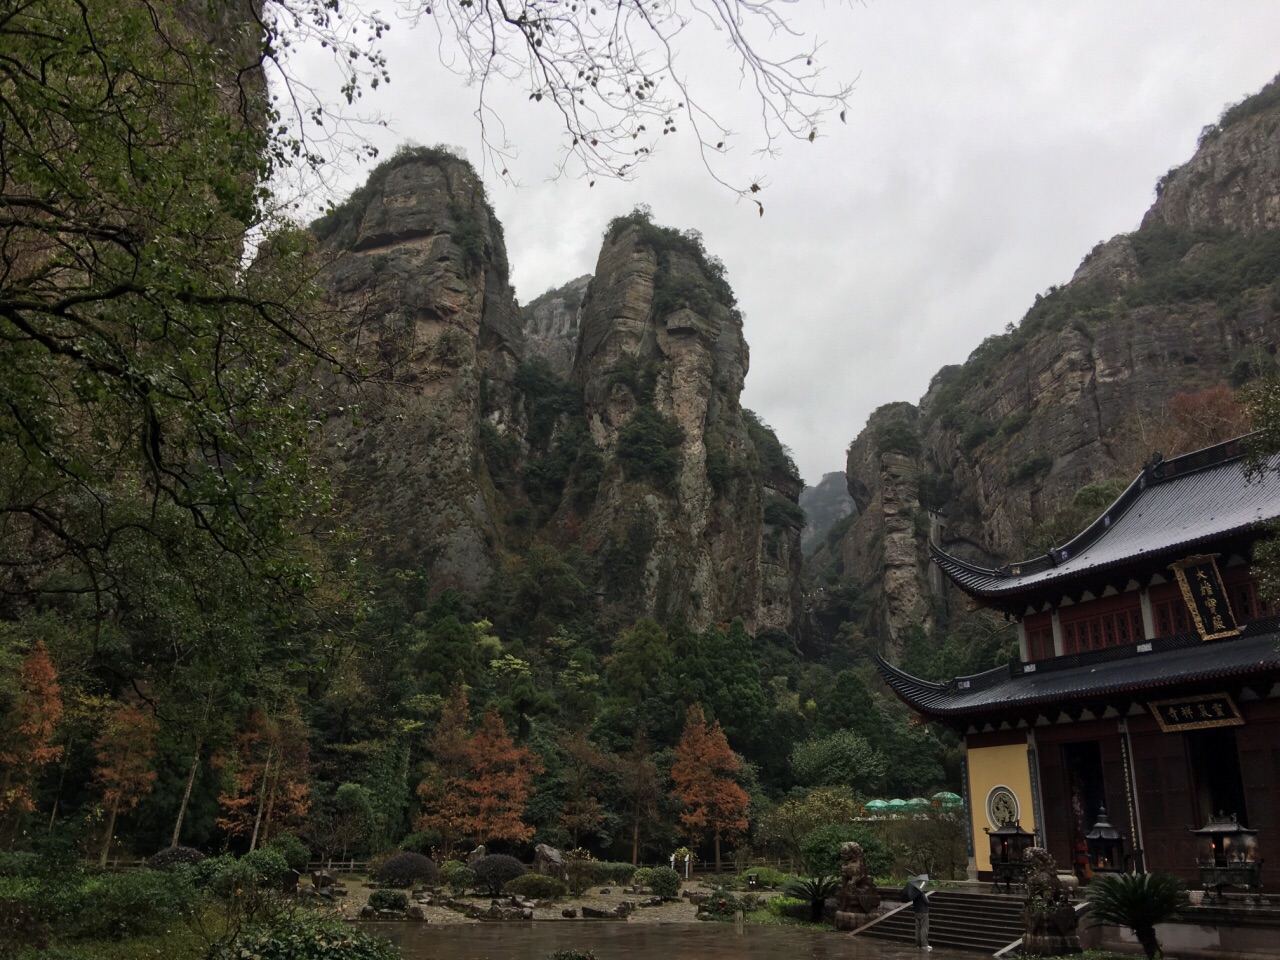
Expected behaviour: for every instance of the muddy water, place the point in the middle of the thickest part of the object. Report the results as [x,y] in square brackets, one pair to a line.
[626,941]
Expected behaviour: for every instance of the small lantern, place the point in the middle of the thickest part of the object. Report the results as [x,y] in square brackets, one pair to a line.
[1106,846]
[1008,845]
[1227,855]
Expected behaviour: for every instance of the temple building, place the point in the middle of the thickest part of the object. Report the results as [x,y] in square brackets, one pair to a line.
[1148,680]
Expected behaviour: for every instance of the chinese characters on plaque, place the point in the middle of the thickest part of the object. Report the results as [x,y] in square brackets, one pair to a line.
[1196,713]
[1206,597]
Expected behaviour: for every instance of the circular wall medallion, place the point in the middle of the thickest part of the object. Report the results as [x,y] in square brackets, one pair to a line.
[1002,807]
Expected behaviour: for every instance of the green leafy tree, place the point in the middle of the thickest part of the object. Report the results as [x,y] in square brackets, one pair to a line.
[791,821]
[640,658]
[151,377]
[840,759]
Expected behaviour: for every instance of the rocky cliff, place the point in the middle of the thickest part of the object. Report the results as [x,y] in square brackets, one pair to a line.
[602,422]
[551,324]
[824,506]
[1150,333]
[417,266]
[697,513]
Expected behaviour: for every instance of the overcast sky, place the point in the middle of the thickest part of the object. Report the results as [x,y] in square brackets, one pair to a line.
[989,146]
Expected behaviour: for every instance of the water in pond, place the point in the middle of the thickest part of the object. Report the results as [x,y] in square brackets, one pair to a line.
[636,941]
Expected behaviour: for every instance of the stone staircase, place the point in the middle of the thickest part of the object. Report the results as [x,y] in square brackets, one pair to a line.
[964,921]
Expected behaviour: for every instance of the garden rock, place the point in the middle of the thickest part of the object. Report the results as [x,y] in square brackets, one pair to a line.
[569,913]
[549,861]
[651,902]
[415,912]
[696,898]
[289,882]
[368,913]
[478,853]
[605,891]
[321,879]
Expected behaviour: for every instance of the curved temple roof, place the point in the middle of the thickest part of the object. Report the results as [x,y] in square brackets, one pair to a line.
[1173,505]
[1147,666]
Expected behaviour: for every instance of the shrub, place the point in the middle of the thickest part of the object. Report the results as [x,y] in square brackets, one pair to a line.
[781,512]
[579,875]
[389,900]
[496,870]
[766,877]
[421,841]
[821,849]
[294,851]
[536,885]
[172,857]
[648,447]
[614,872]
[814,891]
[119,905]
[641,877]
[457,876]
[722,905]
[303,937]
[406,869]
[664,882]
[1031,467]
[788,907]
[224,874]
[19,864]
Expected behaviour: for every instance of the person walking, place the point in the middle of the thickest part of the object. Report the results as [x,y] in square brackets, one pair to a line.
[920,905]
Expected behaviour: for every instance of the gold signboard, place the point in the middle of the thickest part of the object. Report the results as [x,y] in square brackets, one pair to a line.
[1206,597]
[1196,713]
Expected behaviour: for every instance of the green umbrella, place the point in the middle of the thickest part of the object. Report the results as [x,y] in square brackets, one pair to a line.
[917,804]
[945,798]
[875,807]
[897,806]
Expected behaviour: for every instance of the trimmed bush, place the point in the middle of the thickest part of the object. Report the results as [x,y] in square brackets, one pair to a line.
[641,877]
[406,869]
[172,857]
[536,885]
[664,882]
[303,937]
[294,851]
[224,874]
[389,900]
[457,876]
[496,871]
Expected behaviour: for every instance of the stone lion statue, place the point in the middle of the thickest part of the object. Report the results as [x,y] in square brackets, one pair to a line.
[857,898]
[1048,914]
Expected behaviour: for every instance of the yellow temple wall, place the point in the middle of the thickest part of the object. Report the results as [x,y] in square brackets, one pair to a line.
[1002,765]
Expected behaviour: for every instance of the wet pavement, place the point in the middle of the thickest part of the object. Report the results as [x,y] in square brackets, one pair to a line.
[632,941]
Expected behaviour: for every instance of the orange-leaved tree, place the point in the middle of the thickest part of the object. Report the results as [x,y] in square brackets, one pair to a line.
[269,776]
[26,732]
[443,800]
[124,750]
[501,782]
[703,776]
[477,785]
